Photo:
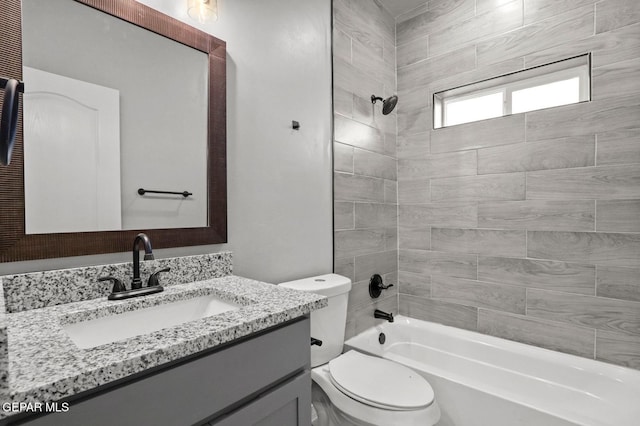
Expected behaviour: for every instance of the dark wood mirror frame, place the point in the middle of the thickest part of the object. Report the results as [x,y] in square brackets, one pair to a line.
[15,245]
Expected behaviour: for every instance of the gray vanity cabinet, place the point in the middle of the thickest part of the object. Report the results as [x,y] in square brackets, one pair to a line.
[262,380]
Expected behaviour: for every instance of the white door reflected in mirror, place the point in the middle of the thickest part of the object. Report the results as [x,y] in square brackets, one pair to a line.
[72,127]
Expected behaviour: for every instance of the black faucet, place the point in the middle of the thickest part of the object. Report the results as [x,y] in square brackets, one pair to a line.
[148,255]
[383,315]
[119,291]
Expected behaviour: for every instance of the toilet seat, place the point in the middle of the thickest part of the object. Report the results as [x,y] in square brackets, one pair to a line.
[365,411]
[380,383]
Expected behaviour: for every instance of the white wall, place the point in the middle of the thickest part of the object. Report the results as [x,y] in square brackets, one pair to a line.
[279,180]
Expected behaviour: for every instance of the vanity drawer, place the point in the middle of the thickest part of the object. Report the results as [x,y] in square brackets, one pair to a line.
[197,390]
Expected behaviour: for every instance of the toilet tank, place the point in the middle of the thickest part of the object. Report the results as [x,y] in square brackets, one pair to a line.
[327,324]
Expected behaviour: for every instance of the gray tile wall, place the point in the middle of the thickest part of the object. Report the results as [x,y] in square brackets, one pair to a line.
[524,227]
[365,160]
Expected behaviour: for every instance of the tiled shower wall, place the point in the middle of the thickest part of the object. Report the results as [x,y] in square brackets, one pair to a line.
[365,183]
[525,227]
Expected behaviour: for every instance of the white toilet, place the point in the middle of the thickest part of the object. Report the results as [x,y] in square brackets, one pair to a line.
[357,388]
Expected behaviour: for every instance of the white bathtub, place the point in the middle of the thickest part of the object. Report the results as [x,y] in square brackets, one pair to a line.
[483,380]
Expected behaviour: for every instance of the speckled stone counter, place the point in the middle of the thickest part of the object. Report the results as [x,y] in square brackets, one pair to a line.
[45,365]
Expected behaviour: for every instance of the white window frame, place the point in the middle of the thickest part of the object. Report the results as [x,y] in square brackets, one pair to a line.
[578,66]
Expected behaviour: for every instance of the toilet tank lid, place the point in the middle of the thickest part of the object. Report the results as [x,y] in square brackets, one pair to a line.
[326,285]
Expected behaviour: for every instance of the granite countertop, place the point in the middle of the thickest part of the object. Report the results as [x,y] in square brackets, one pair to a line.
[45,365]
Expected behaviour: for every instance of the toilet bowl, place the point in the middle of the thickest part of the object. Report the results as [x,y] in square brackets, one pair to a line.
[354,388]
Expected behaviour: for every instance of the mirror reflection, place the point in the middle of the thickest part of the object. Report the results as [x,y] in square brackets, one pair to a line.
[110,108]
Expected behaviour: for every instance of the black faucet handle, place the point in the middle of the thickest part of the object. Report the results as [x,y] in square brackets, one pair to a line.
[376,286]
[153,279]
[117,284]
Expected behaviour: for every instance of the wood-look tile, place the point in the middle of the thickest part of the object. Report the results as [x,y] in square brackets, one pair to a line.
[414,122]
[391,142]
[437,16]
[414,146]
[603,115]
[618,348]
[438,311]
[372,65]
[372,164]
[342,157]
[414,284]
[480,134]
[618,147]
[606,48]
[343,214]
[479,294]
[414,237]
[617,79]
[414,51]
[363,111]
[348,187]
[351,79]
[376,263]
[601,183]
[358,242]
[561,153]
[413,99]
[477,74]
[421,8]
[618,216]
[374,215]
[414,191]
[593,247]
[376,16]
[618,283]
[509,186]
[390,192]
[545,274]
[423,72]
[439,214]
[358,296]
[432,262]
[587,311]
[547,334]
[539,215]
[362,318]
[356,26]
[344,267]
[359,135]
[538,10]
[389,53]
[614,14]
[464,163]
[341,45]
[488,242]
[503,18]
[571,25]
[342,102]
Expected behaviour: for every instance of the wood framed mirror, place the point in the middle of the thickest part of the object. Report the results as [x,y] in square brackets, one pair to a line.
[17,244]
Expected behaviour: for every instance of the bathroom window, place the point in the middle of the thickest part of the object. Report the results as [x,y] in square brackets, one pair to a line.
[559,83]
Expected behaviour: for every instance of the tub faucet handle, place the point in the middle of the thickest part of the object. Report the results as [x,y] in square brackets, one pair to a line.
[376,286]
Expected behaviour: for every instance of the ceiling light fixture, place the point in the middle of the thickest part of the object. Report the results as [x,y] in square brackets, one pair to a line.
[203,10]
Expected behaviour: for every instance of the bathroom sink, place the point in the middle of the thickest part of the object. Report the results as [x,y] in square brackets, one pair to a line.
[112,328]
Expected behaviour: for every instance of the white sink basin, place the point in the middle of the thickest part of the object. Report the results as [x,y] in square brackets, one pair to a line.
[100,331]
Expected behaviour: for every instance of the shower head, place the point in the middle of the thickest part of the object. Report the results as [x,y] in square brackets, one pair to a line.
[387,104]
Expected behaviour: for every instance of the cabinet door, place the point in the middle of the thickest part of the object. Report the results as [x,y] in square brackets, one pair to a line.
[196,390]
[287,405]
